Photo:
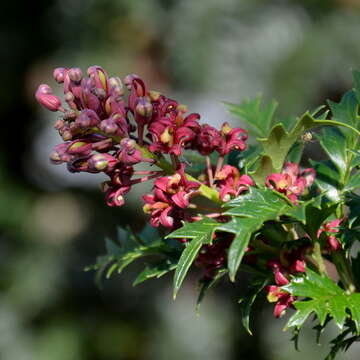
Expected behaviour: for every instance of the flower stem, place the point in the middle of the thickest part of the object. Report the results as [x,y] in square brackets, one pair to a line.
[209,171]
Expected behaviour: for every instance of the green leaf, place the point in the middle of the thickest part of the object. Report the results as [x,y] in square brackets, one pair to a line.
[346,110]
[247,301]
[155,271]
[259,118]
[333,142]
[202,233]
[354,182]
[279,141]
[202,230]
[128,248]
[249,212]
[324,298]
[295,153]
[186,259]
[327,179]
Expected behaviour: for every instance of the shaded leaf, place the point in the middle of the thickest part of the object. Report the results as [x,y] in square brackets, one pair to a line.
[259,118]
[247,301]
[155,271]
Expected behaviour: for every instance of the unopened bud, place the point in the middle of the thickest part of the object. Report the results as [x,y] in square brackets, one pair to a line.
[69,96]
[144,107]
[75,74]
[59,75]
[129,80]
[108,126]
[115,82]
[59,124]
[101,162]
[45,97]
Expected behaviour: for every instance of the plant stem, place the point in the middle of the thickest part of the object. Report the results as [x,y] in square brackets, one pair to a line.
[209,171]
[319,259]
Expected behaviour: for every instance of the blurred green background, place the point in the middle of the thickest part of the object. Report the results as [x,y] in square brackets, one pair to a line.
[52,224]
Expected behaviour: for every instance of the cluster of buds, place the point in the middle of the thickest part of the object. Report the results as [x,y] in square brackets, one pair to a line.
[291,181]
[102,131]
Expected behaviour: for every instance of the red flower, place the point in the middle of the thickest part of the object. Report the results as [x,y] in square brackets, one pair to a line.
[172,133]
[171,195]
[231,183]
[291,182]
[331,227]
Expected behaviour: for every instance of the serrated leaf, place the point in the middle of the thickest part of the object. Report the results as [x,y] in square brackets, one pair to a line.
[354,182]
[346,110]
[247,301]
[259,118]
[249,212]
[186,259]
[327,179]
[202,229]
[155,271]
[324,298]
[279,141]
[333,142]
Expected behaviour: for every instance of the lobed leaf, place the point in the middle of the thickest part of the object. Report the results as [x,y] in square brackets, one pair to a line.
[324,298]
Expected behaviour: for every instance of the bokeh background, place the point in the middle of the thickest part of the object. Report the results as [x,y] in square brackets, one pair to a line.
[52,224]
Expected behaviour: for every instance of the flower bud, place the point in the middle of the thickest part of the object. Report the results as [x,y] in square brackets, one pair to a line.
[59,74]
[59,124]
[100,77]
[45,97]
[108,126]
[87,118]
[102,162]
[128,81]
[144,107]
[75,74]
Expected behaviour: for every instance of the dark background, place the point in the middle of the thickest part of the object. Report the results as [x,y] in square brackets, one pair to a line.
[52,224]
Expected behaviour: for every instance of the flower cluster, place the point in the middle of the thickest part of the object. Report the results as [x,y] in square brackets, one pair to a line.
[170,198]
[104,131]
[291,182]
[289,262]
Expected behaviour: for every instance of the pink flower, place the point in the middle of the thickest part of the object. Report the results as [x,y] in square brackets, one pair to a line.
[172,133]
[332,227]
[171,195]
[208,140]
[282,298]
[232,139]
[291,182]
[231,183]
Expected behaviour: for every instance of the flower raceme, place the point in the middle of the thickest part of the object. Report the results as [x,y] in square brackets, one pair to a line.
[103,131]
